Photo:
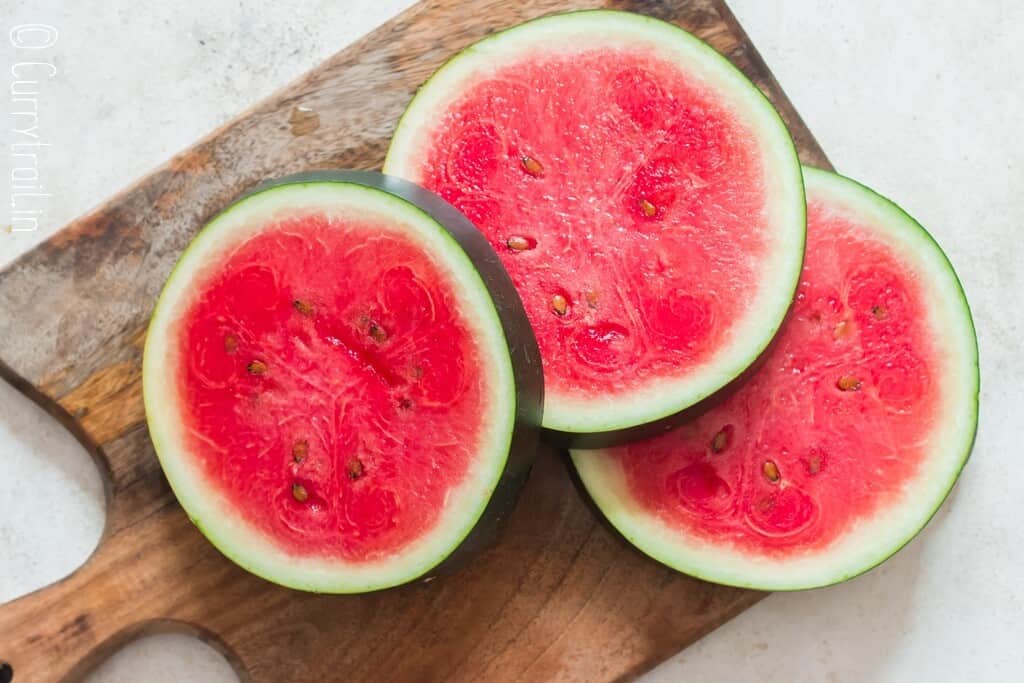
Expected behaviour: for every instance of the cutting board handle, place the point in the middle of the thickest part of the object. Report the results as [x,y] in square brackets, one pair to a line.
[62,631]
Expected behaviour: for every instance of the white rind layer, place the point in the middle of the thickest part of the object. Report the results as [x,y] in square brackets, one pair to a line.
[226,529]
[872,540]
[602,29]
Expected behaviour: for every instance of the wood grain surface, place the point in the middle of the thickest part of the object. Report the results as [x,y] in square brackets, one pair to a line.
[558,598]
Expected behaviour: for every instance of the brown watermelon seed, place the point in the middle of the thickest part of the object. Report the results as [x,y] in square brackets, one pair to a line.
[230,343]
[841,330]
[303,307]
[592,297]
[848,383]
[417,372]
[771,471]
[518,243]
[648,208]
[378,333]
[300,450]
[814,464]
[559,304]
[405,403]
[532,166]
[299,492]
[355,469]
[879,312]
[256,367]
[722,439]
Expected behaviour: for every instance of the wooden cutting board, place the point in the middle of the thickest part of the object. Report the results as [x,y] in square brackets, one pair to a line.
[558,598]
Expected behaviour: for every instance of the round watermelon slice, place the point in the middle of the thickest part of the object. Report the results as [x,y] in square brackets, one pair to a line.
[644,196]
[341,383]
[842,445]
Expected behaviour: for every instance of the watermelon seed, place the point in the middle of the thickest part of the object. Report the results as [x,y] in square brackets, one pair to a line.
[299,492]
[355,469]
[848,383]
[814,464]
[532,166]
[771,471]
[518,243]
[841,330]
[300,450]
[722,439]
[231,343]
[256,367]
[592,296]
[378,333]
[417,372]
[303,307]
[879,312]
[559,304]
[405,403]
[648,208]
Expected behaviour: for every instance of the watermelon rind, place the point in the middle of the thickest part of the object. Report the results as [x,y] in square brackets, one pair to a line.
[618,417]
[875,539]
[474,509]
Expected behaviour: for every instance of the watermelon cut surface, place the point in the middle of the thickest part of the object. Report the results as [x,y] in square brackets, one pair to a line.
[334,390]
[842,445]
[644,196]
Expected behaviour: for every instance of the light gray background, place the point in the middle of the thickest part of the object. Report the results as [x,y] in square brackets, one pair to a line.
[923,99]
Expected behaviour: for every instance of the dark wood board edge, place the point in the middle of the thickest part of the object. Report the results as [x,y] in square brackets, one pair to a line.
[810,151]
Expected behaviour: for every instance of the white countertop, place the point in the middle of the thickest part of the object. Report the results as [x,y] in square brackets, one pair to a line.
[922,99]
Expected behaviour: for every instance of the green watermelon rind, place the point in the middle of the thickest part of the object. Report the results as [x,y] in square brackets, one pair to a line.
[499,324]
[617,418]
[829,566]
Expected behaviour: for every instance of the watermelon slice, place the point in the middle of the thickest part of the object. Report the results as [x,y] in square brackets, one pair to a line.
[644,196]
[341,384]
[842,445]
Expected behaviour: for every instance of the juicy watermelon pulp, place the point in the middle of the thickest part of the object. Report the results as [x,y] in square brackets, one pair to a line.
[643,196]
[633,266]
[842,444]
[332,389]
[329,385]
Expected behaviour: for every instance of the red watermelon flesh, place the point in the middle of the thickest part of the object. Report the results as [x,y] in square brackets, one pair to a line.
[634,196]
[832,426]
[643,195]
[333,389]
[842,443]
